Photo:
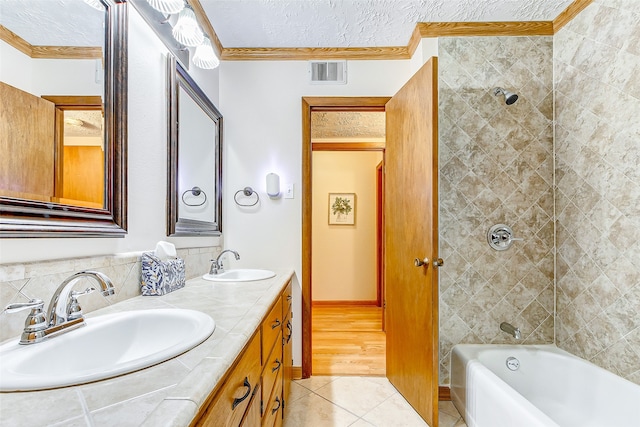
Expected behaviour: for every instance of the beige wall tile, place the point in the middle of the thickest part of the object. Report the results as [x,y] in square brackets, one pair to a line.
[598,188]
[497,169]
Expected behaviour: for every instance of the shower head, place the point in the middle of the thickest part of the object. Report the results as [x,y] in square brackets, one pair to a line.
[509,97]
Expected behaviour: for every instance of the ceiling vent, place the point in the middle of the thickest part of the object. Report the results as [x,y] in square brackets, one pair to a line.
[328,72]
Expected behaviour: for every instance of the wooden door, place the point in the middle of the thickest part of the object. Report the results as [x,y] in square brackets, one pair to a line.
[411,233]
[380,236]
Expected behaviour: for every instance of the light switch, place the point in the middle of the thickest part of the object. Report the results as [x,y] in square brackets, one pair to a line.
[288,192]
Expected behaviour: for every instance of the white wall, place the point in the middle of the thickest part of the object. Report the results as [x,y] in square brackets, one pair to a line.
[147,157]
[344,256]
[48,76]
[427,48]
[261,103]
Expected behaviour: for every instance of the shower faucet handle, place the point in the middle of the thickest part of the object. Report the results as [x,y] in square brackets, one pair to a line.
[500,237]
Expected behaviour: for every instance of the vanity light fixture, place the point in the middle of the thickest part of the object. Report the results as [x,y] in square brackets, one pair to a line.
[205,57]
[273,185]
[167,6]
[187,31]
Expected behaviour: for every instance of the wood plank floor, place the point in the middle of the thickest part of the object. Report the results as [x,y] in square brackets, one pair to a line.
[348,340]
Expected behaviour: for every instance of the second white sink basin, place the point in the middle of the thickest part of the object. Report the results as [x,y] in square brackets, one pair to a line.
[240,275]
[105,347]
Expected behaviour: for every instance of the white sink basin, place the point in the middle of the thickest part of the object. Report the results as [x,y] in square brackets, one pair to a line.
[240,275]
[107,346]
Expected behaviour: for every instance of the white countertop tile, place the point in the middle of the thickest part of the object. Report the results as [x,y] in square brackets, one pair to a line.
[170,392]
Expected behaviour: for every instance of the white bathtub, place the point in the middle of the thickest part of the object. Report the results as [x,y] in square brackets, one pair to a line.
[550,388]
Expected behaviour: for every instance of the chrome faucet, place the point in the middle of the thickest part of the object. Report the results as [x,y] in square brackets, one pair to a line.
[216,264]
[511,330]
[64,312]
[64,305]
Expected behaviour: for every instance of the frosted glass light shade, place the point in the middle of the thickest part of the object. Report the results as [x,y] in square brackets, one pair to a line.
[167,6]
[205,57]
[96,4]
[187,31]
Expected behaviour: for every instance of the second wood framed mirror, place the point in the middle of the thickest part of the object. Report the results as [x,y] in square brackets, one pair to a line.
[194,205]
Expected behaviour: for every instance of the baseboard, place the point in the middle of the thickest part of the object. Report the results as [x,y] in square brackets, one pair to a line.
[344,303]
[444,392]
[296,372]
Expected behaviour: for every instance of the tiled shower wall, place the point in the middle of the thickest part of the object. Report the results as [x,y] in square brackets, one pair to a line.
[496,166]
[22,282]
[597,79]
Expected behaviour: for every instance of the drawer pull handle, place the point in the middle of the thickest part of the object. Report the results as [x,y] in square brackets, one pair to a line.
[290,328]
[239,400]
[278,363]
[276,324]
[289,297]
[274,410]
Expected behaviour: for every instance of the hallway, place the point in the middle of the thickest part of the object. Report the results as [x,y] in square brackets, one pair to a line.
[348,340]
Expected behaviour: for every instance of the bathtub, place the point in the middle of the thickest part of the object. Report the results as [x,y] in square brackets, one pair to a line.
[550,387]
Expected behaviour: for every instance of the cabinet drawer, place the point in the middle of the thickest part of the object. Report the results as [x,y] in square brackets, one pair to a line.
[253,416]
[287,362]
[271,326]
[271,370]
[273,406]
[232,400]
[287,299]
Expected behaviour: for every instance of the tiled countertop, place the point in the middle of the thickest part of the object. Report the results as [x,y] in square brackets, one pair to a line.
[167,394]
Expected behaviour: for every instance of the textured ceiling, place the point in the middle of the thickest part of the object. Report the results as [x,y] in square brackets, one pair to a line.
[83,123]
[356,23]
[53,22]
[347,125]
[281,23]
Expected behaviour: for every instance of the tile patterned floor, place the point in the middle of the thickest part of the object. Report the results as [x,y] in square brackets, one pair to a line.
[322,401]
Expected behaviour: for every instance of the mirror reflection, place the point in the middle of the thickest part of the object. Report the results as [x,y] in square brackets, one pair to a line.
[194,158]
[52,87]
[63,118]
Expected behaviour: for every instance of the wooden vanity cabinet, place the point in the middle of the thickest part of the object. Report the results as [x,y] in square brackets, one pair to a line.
[254,392]
[272,364]
[287,347]
[253,415]
[238,391]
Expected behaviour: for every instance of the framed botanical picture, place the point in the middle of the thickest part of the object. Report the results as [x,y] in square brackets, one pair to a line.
[342,208]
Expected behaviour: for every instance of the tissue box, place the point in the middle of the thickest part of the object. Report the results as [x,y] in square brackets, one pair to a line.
[161,277]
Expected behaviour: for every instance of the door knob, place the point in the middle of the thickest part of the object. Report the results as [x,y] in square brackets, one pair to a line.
[439,262]
[420,262]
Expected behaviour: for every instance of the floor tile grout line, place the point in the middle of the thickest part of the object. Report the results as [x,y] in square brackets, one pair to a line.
[333,378]
[335,404]
[348,410]
[388,397]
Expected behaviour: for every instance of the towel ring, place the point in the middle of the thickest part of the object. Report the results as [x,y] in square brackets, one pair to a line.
[195,191]
[248,192]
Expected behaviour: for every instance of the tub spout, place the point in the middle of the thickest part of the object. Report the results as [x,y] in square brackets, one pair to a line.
[510,329]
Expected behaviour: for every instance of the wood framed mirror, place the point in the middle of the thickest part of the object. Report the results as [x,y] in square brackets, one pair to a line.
[194,205]
[70,59]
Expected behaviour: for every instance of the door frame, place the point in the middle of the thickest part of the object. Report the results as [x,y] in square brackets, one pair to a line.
[310,104]
[68,103]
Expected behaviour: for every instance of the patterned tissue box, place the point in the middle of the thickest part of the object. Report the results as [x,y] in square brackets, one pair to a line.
[161,277]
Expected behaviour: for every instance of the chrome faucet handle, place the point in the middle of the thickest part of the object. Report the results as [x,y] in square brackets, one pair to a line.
[214,267]
[35,324]
[19,306]
[75,311]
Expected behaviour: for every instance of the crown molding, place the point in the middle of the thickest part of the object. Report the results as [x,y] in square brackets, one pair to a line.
[422,30]
[569,13]
[49,52]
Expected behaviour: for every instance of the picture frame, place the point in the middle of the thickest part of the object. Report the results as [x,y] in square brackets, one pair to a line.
[342,208]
